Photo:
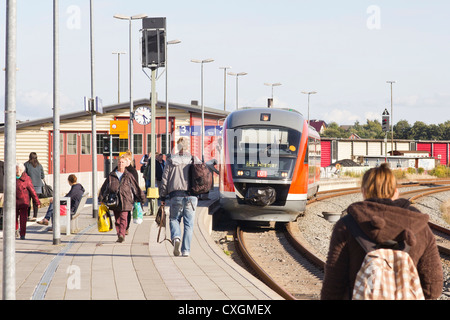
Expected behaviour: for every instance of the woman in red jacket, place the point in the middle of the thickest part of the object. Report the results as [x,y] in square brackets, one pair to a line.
[24,190]
[382,216]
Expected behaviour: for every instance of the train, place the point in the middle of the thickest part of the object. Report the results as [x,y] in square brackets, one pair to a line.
[270,164]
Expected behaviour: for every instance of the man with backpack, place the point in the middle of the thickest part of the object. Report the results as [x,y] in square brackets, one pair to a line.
[383,249]
[176,184]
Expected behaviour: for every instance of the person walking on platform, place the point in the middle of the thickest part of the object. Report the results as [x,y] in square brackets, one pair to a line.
[24,191]
[175,184]
[382,216]
[75,194]
[36,172]
[122,183]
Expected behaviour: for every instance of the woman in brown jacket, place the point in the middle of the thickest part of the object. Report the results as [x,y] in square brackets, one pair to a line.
[122,183]
[382,216]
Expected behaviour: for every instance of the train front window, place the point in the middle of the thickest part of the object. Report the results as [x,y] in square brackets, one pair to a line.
[263,152]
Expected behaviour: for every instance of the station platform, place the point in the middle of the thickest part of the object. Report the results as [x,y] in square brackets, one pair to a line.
[90,265]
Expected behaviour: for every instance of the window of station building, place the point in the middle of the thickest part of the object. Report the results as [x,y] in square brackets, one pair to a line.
[61,144]
[71,143]
[138,144]
[164,137]
[100,143]
[123,145]
[85,143]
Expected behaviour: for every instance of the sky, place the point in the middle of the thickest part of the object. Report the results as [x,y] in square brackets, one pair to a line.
[345,50]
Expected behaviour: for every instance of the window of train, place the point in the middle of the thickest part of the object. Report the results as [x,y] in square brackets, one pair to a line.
[263,152]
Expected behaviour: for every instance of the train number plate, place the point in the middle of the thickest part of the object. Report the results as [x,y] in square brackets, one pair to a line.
[261,174]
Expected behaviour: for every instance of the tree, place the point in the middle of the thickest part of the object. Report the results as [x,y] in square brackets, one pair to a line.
[419,131]
[402,130]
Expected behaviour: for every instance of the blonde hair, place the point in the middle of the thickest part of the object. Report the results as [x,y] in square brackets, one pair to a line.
[379,182]
[128,155]
[182,144]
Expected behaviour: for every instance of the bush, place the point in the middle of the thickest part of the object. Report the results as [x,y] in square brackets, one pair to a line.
[420,170]
[399,174]
[411,170]
[440,171]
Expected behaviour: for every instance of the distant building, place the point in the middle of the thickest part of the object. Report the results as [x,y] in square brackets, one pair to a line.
[319,125]
[354,136]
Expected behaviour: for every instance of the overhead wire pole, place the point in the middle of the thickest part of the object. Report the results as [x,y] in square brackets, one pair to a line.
[130,31]
[202,62]
[118,74]
[94,118]
[224,87]
[9,208]
[392,121]
[56,128]
[167,95]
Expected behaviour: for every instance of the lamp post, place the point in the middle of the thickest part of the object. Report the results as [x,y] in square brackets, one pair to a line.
[118,74]
[224,87]
[272,85]
[9,208]
[237,75]
[392,120]
[202,62]
[130,19]
[309,93]
[167,96]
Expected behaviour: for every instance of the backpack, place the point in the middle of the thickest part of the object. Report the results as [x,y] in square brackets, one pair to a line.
[200,178]
[387,272]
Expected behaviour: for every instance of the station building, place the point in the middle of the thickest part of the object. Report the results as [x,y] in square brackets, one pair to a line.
[76,130]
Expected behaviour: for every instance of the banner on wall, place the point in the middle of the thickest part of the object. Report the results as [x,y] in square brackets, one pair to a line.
[196,131]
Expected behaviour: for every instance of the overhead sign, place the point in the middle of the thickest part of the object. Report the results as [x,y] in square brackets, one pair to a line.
[119,127]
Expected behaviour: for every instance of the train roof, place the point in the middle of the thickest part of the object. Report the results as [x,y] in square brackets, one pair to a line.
[288,118]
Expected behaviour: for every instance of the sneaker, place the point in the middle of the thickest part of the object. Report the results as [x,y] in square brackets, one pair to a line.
[43,222]
[120,239]
[176,247]
[185,254]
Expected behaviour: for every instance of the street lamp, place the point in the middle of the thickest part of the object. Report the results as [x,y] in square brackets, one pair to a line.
[224,87]
[309,93]
[118,74]
[202,62]
[392,120]
[237,75]
[130,19]
[167,96]
[272,85]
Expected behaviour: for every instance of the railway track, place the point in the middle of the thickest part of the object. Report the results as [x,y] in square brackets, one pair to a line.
[291,266]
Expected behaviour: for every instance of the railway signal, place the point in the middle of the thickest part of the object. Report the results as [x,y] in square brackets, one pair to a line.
[385,120]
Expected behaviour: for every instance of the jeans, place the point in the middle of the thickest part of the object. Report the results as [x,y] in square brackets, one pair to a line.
[182,208]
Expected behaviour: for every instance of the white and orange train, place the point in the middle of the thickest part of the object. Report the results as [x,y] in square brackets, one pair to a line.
[270,164]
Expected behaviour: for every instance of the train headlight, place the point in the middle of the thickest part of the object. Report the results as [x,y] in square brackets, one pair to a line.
[247,173]
[284,174]
[240,173]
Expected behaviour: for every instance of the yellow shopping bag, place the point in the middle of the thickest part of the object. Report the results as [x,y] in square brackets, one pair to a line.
[104,221]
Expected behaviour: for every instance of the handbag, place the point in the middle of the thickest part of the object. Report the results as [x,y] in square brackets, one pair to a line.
[160,220]
[112,201]
[104,222]
[47,191]
[138,213]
